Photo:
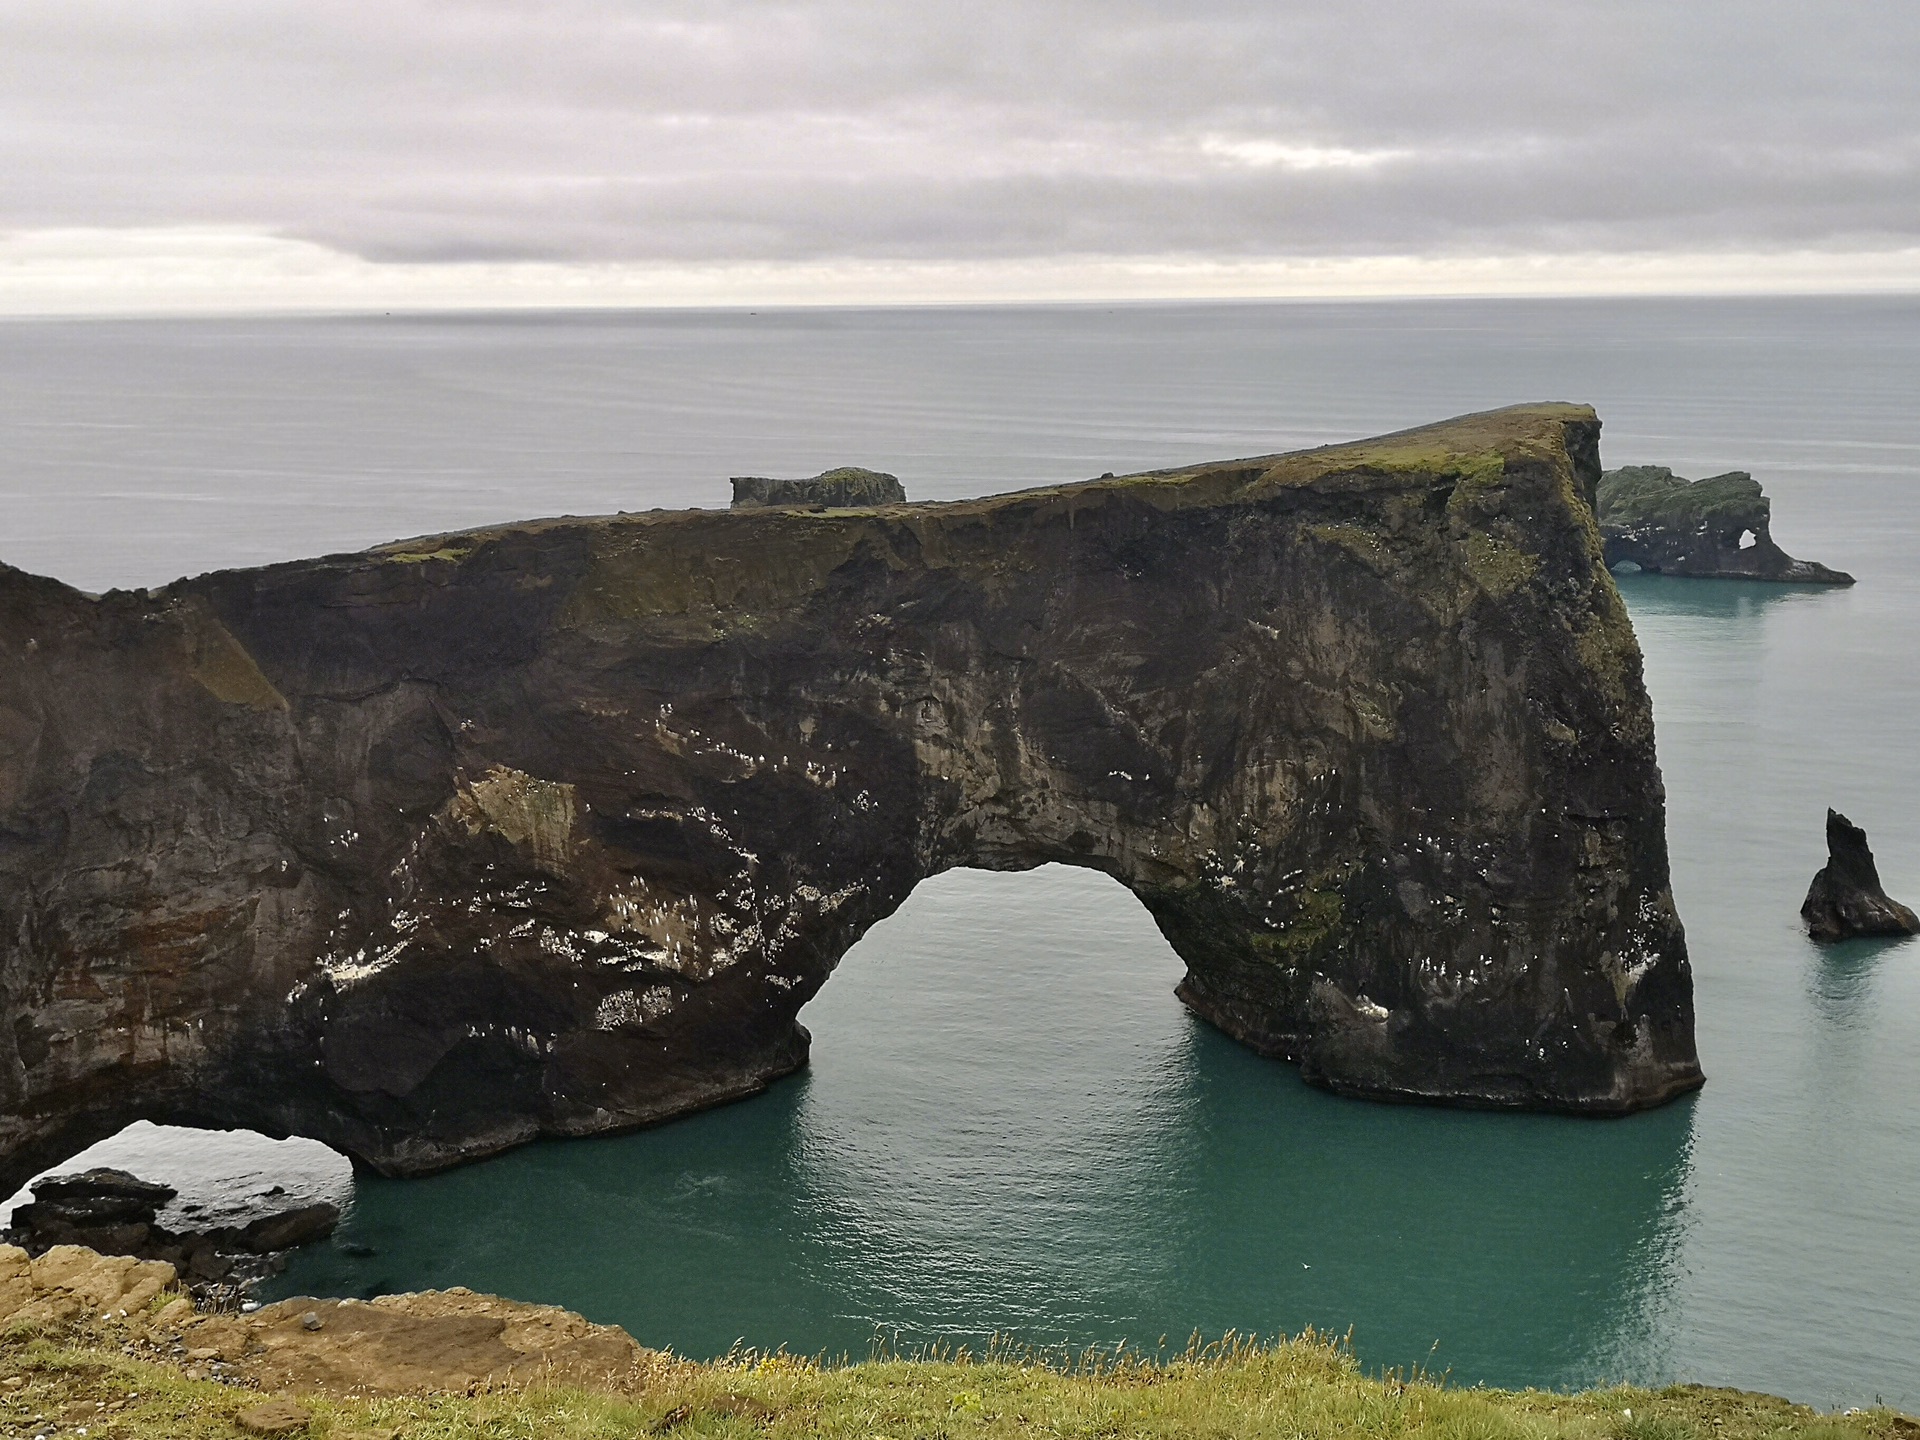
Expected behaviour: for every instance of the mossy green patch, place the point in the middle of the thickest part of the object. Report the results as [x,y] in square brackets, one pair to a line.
[1637,495]
[449,553]
[222,665]
[1606,645]
[1319,911]
[1469,468]
[724,576]
[1498,566]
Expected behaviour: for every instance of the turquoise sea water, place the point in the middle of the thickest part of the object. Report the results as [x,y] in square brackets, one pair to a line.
[1010,1125]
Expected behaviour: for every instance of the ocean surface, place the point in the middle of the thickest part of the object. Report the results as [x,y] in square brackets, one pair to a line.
[1010,1125]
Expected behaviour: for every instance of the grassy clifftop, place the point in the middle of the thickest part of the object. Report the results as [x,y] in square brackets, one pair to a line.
[1296,1388]
[106,1346]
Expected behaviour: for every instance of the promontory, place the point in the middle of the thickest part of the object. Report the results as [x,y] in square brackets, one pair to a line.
[552,828]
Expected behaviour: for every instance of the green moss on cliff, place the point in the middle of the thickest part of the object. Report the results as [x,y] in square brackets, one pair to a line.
[421,557]
[1465,467]
[1367,546]
[1637,495]
[1318,913]
[222,665]
[1498,566]
[723,578]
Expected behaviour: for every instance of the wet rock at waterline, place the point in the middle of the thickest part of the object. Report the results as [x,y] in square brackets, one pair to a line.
[95,1197]
[1845,899]
[289,1229]
[844,488]
[551,829]
[115,1213]
[1718,527]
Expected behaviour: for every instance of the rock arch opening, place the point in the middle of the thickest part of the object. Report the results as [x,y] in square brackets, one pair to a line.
[991,960]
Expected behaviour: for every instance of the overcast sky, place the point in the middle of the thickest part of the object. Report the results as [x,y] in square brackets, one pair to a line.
[192,143]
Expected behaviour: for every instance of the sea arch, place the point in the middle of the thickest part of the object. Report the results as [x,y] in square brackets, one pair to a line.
[551,829]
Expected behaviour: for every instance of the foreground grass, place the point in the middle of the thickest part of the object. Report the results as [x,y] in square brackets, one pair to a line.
[1289,1390]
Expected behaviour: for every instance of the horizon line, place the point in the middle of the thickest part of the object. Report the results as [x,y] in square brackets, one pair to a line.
[195,272]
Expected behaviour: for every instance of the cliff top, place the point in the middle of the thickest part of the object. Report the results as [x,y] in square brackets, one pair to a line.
[1469,445]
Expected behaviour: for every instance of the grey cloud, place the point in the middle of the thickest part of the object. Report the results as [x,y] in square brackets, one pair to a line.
[590,130]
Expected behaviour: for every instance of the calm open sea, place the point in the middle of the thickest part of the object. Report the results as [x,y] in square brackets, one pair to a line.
[1010,1125]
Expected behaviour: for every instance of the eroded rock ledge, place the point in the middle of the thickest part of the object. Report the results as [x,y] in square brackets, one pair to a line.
[552,829]
[434,1340]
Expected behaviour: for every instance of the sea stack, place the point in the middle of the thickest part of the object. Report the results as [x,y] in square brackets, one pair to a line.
[1717,528]
[1845,899]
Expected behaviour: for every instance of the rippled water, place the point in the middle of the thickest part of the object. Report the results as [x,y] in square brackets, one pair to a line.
[1009,1123]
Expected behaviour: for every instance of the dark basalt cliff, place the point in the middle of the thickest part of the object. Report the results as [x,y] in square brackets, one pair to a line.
[1712,528]
[552,829]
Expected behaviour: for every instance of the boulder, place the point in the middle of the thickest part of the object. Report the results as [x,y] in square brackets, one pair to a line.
[16,1279]
[279,1416]
[104,1283]
[1845,899]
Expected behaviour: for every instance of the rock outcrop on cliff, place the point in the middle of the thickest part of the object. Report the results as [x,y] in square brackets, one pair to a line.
[847,487]
[553,828]
[1845,899]
[1717,527]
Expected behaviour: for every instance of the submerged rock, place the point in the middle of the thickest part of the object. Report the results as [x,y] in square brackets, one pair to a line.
[290,1229]
[1845,899]
[848,487]
[1717,527]
[553,828]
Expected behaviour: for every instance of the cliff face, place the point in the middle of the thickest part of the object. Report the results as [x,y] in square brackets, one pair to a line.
[552,829]
[1712,528]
